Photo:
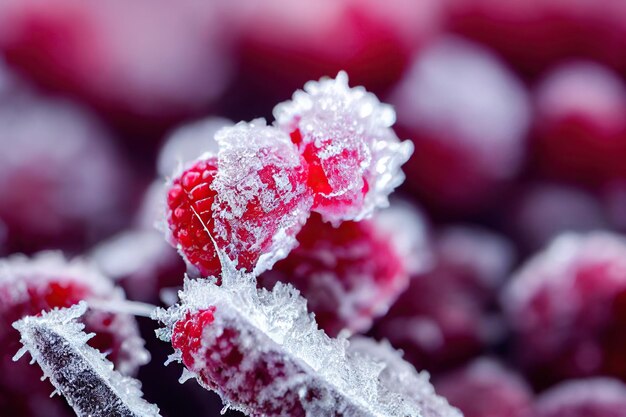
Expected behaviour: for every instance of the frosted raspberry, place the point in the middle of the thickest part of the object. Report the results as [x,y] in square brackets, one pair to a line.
[349,274]
[28,286]
[580,124]
[567,306]
[485,388]
[143,63]
[346,138]
[564,29]
[58,196]
[594,397]
[467,115]
[252,199]
[445,316]
[263,353]
[541,211]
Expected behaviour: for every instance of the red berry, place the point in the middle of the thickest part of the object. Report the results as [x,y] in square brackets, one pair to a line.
[595,397]
[345,136]
[46,281]
[444,317]
[348,274]
[252,199]
[581,124]
[567,306]
[467,115]
[484,388]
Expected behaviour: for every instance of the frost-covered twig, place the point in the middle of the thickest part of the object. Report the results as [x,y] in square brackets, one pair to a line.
[57,342]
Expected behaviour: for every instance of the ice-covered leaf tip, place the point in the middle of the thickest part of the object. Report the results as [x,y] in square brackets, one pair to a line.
[345,135]
[57,342]
[400,376]
[263,353]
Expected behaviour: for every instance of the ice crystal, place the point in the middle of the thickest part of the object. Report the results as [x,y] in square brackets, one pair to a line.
[57,342]
[346,136]
[264,354]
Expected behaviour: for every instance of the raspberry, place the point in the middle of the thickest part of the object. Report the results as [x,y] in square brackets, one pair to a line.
[349,274]
[58,196]
[485,388]
[467,115]
[445,317]
[594,397]
[580,124]
[252,199]
[263,353]
[566,306]
[46,281]
[346,138]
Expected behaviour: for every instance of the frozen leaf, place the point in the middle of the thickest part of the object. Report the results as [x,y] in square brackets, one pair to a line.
[263,353]
[56,341]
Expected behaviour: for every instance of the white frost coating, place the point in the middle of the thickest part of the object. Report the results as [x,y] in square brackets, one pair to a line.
[280,319]
[81,373]
[400,376]
[18,273]
[463,90]
[188,143]
[339,119]
[559,263]
[251,153]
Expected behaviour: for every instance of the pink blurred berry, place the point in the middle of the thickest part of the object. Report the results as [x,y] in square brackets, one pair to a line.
[485,388]
[444,317]
[141,62]
[352,273]
[61,181]
[594,397]
[567,307]
[345,136]
[467,115]
[28,286]
[580,124]
[251,200]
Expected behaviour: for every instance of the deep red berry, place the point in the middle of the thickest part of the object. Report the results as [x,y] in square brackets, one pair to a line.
[567,306]
[580,128]
[485,388]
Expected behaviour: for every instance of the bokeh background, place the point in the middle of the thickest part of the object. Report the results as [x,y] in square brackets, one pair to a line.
[517,110]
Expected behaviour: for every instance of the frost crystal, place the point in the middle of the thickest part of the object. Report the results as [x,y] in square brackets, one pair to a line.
[263,353]
[401,377]
[345,135]
[48,280]
[81,373]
